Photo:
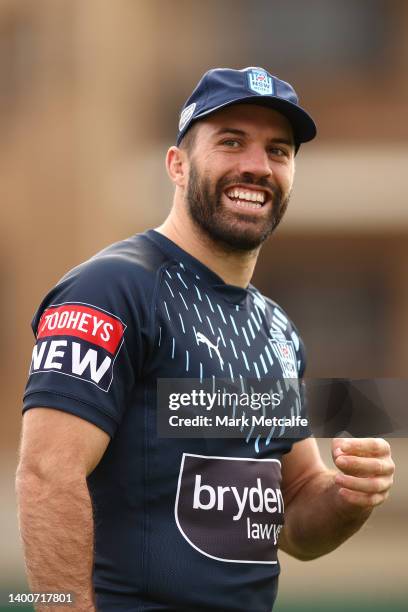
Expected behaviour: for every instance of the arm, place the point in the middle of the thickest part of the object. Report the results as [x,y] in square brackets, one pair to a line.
[325,507]
[58,451]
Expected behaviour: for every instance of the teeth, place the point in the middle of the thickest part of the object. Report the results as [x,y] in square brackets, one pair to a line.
[248,196]
[245,204]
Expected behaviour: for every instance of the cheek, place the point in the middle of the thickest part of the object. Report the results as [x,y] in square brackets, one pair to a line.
[284,176]
[216,171]
[220,162]
[210,160]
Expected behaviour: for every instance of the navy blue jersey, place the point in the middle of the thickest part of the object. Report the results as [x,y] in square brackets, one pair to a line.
[180,524]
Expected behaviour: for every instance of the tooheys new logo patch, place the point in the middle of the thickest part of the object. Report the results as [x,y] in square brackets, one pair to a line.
[230,509]
[78,340]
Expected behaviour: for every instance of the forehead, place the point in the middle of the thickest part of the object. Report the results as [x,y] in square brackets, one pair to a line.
[250,118]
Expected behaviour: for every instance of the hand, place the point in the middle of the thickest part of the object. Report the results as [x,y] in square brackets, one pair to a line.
[367,470]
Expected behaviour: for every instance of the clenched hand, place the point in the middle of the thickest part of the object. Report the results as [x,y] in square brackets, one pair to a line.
[366,470]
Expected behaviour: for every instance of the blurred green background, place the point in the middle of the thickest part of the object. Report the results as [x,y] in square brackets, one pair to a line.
[89,100]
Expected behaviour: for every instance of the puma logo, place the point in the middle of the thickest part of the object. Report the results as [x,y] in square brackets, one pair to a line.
[211,347]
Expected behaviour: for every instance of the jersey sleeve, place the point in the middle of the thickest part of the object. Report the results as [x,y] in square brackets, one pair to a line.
[90,334]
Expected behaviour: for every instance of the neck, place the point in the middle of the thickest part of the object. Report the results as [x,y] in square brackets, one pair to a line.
[234,267]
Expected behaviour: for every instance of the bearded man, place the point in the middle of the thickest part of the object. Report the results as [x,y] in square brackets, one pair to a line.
[125,519]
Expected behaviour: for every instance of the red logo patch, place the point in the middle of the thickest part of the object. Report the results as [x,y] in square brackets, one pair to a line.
[82,321]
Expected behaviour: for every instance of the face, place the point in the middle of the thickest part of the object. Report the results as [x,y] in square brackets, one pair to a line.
[241,170]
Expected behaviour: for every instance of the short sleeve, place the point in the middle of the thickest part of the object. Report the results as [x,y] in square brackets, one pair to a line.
[89,343]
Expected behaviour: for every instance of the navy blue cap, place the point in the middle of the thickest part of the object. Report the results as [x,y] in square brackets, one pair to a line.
[222,87]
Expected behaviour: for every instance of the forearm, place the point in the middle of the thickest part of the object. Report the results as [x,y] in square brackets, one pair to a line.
[56,524]
[318,519]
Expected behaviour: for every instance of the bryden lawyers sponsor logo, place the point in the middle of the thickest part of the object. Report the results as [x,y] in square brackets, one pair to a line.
[78,340]
[229,508]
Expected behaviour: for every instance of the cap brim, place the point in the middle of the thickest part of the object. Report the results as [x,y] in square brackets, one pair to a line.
[304,128]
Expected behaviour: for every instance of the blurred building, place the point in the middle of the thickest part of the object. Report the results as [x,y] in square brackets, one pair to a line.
[89,101]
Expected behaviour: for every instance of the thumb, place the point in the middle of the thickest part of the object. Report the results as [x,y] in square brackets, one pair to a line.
[336,445]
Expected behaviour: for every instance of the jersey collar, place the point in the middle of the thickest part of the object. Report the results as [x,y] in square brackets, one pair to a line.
[232,293]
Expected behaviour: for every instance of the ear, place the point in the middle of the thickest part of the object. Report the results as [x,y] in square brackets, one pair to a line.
[177,166]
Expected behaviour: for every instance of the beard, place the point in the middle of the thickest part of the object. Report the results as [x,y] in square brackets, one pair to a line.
[232,230]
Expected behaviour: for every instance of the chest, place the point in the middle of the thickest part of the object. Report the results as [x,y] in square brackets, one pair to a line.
[199,334]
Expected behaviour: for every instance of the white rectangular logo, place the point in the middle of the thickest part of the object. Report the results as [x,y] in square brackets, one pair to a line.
[260,82]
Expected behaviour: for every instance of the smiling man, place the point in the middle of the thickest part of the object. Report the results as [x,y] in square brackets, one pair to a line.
[123,518]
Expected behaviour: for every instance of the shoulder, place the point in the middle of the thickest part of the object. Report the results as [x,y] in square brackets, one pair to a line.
[129,262]
[279,318]
[120,280]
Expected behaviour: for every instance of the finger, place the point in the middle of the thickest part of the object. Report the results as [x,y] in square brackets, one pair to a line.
[363,500]
[364,485]
[365,447]
[364,466]
[336,446]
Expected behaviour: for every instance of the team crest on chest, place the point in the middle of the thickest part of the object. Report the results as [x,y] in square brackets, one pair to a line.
[285,354]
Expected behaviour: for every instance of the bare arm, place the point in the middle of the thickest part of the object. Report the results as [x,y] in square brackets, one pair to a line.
[58,451]
[325,507]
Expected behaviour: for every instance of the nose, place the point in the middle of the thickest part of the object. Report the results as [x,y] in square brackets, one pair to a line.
[255,161]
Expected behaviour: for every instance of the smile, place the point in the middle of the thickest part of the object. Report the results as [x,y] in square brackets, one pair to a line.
[246,198]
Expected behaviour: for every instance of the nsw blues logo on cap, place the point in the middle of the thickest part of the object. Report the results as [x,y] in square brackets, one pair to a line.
[260,82]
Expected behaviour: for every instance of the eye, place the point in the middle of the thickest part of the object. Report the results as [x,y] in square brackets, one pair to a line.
[232,143]
[278,152]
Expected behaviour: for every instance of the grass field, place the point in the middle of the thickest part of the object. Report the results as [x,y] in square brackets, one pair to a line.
[364,605]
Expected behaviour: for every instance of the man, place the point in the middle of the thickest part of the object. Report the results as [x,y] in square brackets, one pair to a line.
[125,519]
